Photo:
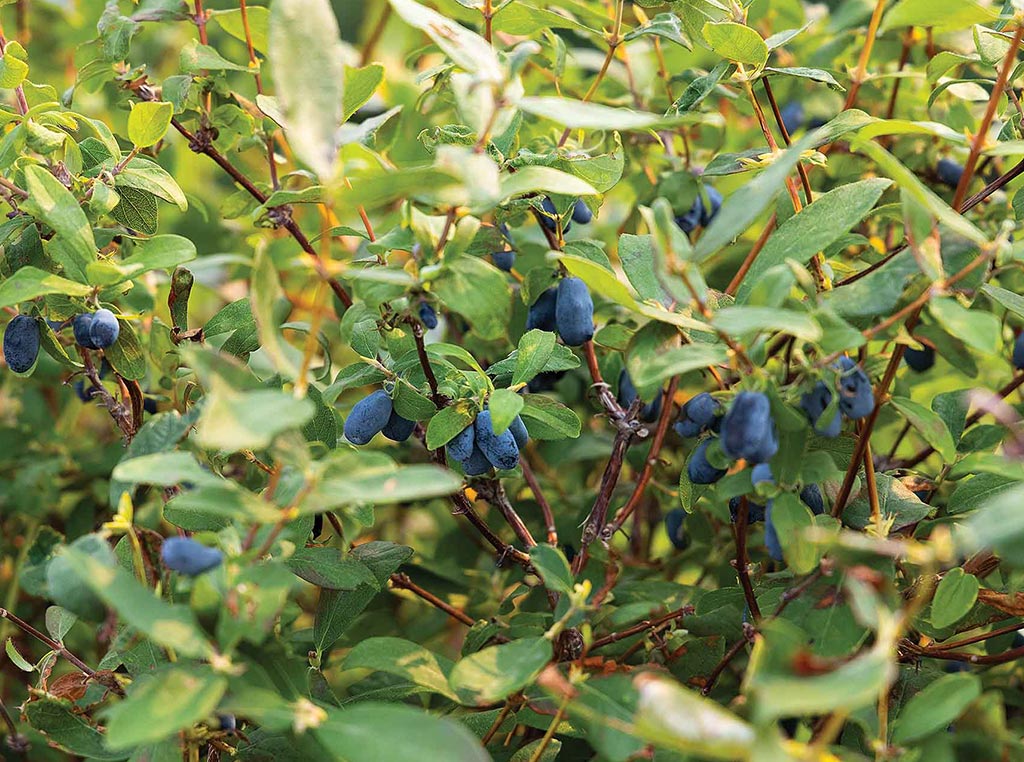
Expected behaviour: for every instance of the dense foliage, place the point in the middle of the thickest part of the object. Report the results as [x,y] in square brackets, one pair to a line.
[520,380]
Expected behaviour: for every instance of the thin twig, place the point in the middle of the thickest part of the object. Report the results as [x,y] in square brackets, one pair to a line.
[402,582]
[538,495]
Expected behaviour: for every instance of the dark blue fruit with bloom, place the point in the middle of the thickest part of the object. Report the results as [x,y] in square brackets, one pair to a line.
[21,343]
[519,432]
[545,382]
[811,497]
[461,445]
[761,474]
[500,449]
[227,722]
[581,213]
[856,397]
[755,512]
[477,463]
[549,219]
[949,172]
[814,403]
[919,359]
[368,417]
[771,537]
[104,329]
[186,556]
[674,520]
[542,312]
[398,429]
[748,430]
[82,328]
[1018,352]
[628,394]
[689,221]
[792,116]
[687,428]
[428,316]
[574,312]
[504,260]
[702,409]
[699,469]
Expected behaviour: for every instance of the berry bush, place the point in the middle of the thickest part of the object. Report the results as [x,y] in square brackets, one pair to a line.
[515,380]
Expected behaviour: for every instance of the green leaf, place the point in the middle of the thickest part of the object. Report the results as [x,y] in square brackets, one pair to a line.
[895,501]
[29,282]
[496,672]
[929,425]
[1011,301]
[553,568]
[536,178]
[13,68]
[370,732]
[195,57]
[997,526]
[818,226]
[234,421]
[678,361]
[942,15]
[975,328]
[546,418]
[310,86]
[742,208]
[664,25]
[329,568]
[477,291]
[68,730]
[935,707]
[55,205]
[360,85]
[736,42]
[978,490]
[954,597]
[162,252]
[265,296]
[738,321]
[164,469]
[535,347]
[230,21]
[504,405]
[803,72]
[468,50]
[584,115]
[173,699]
[136,210]
[407,660]
[149,176]
[148,122]
[676,718]
[791,519]
[168,625]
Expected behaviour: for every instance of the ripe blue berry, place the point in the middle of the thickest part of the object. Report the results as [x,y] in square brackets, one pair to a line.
[674,520]
[549,219]
[949,172]
[500,449]
[856,397]
[627,394]
[1018,351]
[428,316]
[792,116]
[82,326]
[814,404]
[461,445]
[476,464]
[504,260]
[761,474]
[748,430]
[581,213]
[519,432]
[755,512]
[812,498]
[574,312]
[687,429]
[104,329]
[398,429]
[21,343]
[185,555]
[699,469]
[689,221]
[710,209]
[771,537]
[542,313]
[368,417]
[702,409]
[919,359]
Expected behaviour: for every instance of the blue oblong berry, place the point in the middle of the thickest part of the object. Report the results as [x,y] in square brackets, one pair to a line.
[519,432]
[702,409]
[549,219]
[428,316]
[81,326]
[771,537]
[460,447]
[504,260]
[477,463]
[501,449]
[856,397]
[755,512]
[710,210]
[674,521]
[186,556]
[542,312]
[949,172]
[398,429]
[761,474]
[104,329]
[699,469]
[689,221]
[687,429]
[574,312]
[748,430]
[812,498]
[792,116]
[368,417]
[919,359]
[814,403]
[581,213]
[21,343]
[1018,351]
